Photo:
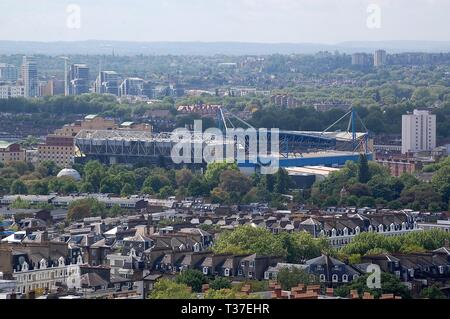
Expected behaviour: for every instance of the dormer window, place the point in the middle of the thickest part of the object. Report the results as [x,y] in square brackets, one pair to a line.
[344,278]
[322,278]
[334,278]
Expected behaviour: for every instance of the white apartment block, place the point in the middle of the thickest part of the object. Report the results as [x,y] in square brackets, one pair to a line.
[379,58]
[11,91]
[418,132]
[45,277]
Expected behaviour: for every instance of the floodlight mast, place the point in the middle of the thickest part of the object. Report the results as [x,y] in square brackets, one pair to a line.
[66,84]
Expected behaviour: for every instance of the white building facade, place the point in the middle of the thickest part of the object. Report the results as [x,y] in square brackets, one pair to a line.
[418,132]
[44,277]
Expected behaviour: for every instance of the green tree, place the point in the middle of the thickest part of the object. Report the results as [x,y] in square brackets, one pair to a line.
[19,203]
[168,289]
[389,285]
[94,172]
[156,182]
[18,187]
[249,240]
[127,190]
[214,170]
[289,278]
[363,169]
[432,292]
[183,177]
[220,283]
[282,181]
[192,278]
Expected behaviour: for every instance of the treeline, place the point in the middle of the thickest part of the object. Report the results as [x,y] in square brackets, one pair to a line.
[106,105]
[370,184]
[222,183]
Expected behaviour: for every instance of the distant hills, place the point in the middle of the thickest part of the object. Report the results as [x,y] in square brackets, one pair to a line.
[92,47]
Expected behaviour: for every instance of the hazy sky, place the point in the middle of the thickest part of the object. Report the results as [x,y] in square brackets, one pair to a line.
[318,21]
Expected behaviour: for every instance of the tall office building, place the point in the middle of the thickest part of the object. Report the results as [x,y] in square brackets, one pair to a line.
[30,77]
[78,79]
[418,132]
[135,87]
[379,58]
[8,72]
[107,83]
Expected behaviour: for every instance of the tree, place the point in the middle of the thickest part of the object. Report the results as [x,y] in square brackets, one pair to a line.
[249,240]
[156,182]
[166,192]
[198,187]
[168,289]
[233,181]
[282,181]
[127,190]
[94,172]
[115,211]
[432,292]
[389,285]
[18,187]
[363,169]
[219,196]
[220,283]
[214,171]
[38,188]
[78,211]
[48,168]
[301,246]
[19,203]
[292,277]
[192,278]
[110,185]
[83,208]
[183,177]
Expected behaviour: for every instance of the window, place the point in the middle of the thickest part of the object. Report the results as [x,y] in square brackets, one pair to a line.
[334,278]
[322,278]
[344,278]
[250,274]
[205,270]
[227,272]
[240,273]
[252,264]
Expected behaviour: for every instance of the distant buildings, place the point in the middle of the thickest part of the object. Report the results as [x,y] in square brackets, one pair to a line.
[59,149]
[418,132]
[78,79]
[11,91]
[361,59]
[135,87]
[107,82]
[30,77]
[379,58]
[11,152]
[8,72]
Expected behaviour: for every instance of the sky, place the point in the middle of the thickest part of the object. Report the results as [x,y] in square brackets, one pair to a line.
[267,21]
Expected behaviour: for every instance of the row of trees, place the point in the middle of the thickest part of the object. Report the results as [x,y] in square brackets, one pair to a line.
[222,182]
[294,247]
[370,184]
